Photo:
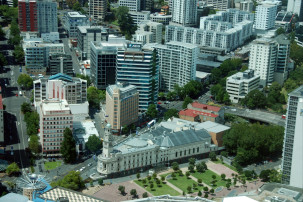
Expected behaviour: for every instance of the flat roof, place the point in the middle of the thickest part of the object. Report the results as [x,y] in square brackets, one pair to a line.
[53,105]
[205,107]
[202,75]
[83,29]
[75,14]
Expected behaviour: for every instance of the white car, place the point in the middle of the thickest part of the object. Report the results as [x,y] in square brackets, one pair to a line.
[81,169]
[89,164]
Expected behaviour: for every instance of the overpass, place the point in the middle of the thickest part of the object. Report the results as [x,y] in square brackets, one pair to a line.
[257,115]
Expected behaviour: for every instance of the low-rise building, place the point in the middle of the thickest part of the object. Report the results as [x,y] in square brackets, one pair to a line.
[55,116]
[160,18]
[50,37]
[138,17]
[157,147]
[72,20]
[148,32]
[61,63]
[240,84]
[122,105]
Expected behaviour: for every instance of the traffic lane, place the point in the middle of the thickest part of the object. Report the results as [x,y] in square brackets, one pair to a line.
[76,64]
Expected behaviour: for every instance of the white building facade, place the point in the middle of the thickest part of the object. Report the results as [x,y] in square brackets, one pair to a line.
[139,17]
[296,6]
[132,5]
[177,63]
[240,84]
[148,32]
[184,12]
[97,9]
[72,20]
[292,164]
[265,16]
[221,5]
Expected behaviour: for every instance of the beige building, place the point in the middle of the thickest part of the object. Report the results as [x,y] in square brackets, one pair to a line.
[55,116]
[122,105]
[97,9]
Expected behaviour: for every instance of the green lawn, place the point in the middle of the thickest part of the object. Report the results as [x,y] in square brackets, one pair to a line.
[207,178]
[52,165]
[218,161]
[157,191]
[115,23]
[182,182]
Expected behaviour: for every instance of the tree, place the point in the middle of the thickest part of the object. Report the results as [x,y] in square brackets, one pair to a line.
[227,185]
[133,192]
[199,193]
[144,195]
[121,189]
[100,181]
[213,156]
[151,186]
[68,147]
[173,176]
[189,188]
[205,189]
[125,21]
[224,153]
[195,186]
[187,174]
[93,144]
[175,166]
[206,195]
[154,175]
[201,167]
[138,176]
[32,123]
[3,60]
[212,191]
[171,95]
[13,168]
[152,111]
[162,179]
[254,99]
[192,161]
[161,95]
[171,113]
[25,81]
[223,176]
[33,144]
[144,181]
[191,168]
[187,101]
[200,181]
[265,175]
[87,78]
[72,181]
[26,107]
[158,182]
[279,31]
[95,96]
[18,54]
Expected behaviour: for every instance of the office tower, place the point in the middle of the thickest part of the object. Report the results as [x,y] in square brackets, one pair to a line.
[97,9]
[139,17]
[103,61]
[265,16]
[296,6]
[140,68]
[132,5]
[86,34]
[148,32]
[184,12]
[47,16]
[72,21]
[122,105]
[61,63]
[240,84]
[177,63]
[221,5]
[27,15]
[55,116]
[147,5]
[292,164]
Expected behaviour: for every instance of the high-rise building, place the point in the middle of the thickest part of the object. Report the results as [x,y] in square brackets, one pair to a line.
[148,32]
[103,61]
[265,16]
[122,105]
[97,9]
[55,116]
[177,63]
[292,164]
[86,34]
[147,5]
[246,6]
[47,16]
[72,20]
[296,6]
[221,5]
[61,63]
[27,15]
[60,87]
[140,68]
[132,5]
[185,12]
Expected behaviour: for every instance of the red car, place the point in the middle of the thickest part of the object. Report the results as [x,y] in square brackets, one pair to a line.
[159,103]
[17,95]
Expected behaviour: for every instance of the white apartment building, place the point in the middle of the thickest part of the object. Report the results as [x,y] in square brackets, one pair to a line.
[184,12]
[177,63]
[139,17]
[158,147]
[265,16]
[60,87]
[47,16]
[160,18]
[292,164]
[72,20]
[87,34]
[55,116]
[97,9]
[132,5]
[104,62]
[246,6]
[296,6]
[148,32]
[240,84]
[221,5]
[226,30]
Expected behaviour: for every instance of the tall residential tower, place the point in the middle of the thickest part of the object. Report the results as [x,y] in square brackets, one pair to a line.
[185,12]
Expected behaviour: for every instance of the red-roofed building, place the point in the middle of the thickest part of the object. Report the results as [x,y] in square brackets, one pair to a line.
[202,112]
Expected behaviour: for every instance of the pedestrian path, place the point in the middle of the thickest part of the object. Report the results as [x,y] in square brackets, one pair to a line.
[174,187]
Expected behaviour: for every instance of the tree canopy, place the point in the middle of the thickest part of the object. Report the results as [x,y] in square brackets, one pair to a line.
[254,99]
[253,142]
[13,168]
[125,22]
[186,101]
[25,81]
[93,144]
[26,107]
[171,113]
[152,111]
[72,180]
[68,147]
[32,123]
[19,54]
[33,144]
[95,96]
[3,60]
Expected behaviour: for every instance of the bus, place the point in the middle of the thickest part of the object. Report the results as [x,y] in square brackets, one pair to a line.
[151,123]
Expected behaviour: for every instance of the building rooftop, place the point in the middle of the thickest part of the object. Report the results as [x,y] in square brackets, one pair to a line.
[53,105]
[202,75]
[194,113]
[297,92]
[12,197]
[240,77]
[84,129]
[61,76]
[75,15]
[282,39]
[205,107]
[83,29]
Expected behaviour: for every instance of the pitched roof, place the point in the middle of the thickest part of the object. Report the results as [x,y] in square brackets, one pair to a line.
[194,113]
[206,107]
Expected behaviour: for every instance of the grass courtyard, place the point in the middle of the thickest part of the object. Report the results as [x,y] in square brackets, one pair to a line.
[52,165]
[157,191]
[207,178]
[182,182]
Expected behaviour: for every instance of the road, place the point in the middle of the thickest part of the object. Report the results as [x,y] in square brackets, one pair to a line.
[76,65]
